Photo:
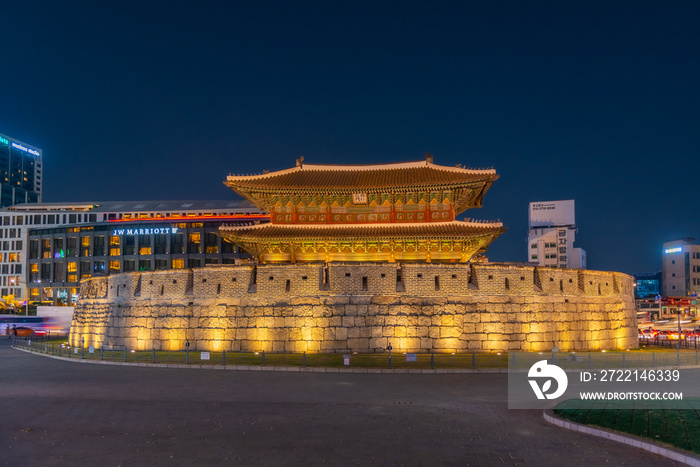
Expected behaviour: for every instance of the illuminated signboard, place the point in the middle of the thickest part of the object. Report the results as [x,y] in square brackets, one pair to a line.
[552,213]
[153,231]
[25,149]
[678,249]
[3,140]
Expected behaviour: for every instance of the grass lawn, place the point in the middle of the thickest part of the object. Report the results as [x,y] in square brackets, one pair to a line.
[676,423]
[581,360]
[374,360]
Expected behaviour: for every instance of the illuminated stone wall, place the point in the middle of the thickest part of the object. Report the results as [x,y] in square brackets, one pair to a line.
[360,307]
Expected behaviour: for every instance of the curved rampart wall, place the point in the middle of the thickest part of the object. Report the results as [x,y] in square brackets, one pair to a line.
[360,307]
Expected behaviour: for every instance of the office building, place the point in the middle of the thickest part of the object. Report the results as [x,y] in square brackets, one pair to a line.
[647,285]
[681,268]
[47,249]
[20,172]
[551,235]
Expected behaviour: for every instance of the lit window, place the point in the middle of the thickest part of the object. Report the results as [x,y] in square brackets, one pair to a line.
[212,249]
[72,266]
[194,237]
[72,278]
[178,263]
[114,240]
[145,250]
[114,251]
[85,241]
[114,265]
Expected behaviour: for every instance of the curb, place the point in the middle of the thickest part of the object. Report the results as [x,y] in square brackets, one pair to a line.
[310,369]
[630,440]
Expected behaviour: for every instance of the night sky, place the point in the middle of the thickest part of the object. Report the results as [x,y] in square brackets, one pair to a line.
[593,101]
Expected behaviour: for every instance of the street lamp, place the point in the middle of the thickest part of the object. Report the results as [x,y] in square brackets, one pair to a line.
[678,341]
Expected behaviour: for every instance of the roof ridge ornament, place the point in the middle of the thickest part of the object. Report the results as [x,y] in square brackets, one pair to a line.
[300,162]
[428,157]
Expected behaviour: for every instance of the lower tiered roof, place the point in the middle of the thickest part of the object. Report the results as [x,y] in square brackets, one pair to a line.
[442,241]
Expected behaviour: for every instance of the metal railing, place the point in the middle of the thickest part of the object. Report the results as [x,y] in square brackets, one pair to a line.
[606,360]
[387,360]
[423,361]
[689,342]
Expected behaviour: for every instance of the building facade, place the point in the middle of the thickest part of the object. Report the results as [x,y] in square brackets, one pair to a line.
[551,235]
[47,249]
[647,284]
[681,268]
[20,172]
[402,212]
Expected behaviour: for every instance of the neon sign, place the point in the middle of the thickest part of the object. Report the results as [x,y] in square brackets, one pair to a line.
[3,140]
[154,231]
[673,250]
[25,149]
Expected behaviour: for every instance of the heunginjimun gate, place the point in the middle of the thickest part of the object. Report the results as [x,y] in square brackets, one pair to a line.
[388,212]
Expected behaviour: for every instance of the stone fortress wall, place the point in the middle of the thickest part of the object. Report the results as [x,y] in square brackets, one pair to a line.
[359,307]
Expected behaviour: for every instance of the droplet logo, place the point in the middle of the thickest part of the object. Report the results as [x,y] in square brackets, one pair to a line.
[543,370]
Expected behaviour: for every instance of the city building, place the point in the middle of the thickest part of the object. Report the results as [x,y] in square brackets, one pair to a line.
[552,233]
[681,268]
[387,212]
[20,172]
[647,284]
[647,295]
[47,249]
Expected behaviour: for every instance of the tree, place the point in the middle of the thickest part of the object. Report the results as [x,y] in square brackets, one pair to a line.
[10,303]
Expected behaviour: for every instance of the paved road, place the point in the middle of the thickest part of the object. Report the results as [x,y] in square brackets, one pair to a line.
[63,413]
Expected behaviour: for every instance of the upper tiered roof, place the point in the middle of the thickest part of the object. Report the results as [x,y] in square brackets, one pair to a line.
[374,177]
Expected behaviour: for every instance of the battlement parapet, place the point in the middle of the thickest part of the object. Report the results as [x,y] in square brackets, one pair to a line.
[319,279]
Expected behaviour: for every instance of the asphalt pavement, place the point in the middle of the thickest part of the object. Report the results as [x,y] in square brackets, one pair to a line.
[71,414]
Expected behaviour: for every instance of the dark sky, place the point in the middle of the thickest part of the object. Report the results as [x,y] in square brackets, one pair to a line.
[593,101]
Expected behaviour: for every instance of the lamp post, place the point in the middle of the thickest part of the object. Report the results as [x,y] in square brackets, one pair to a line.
[678,342]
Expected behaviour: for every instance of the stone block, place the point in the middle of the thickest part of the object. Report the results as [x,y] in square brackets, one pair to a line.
[378,343]
[358,344]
